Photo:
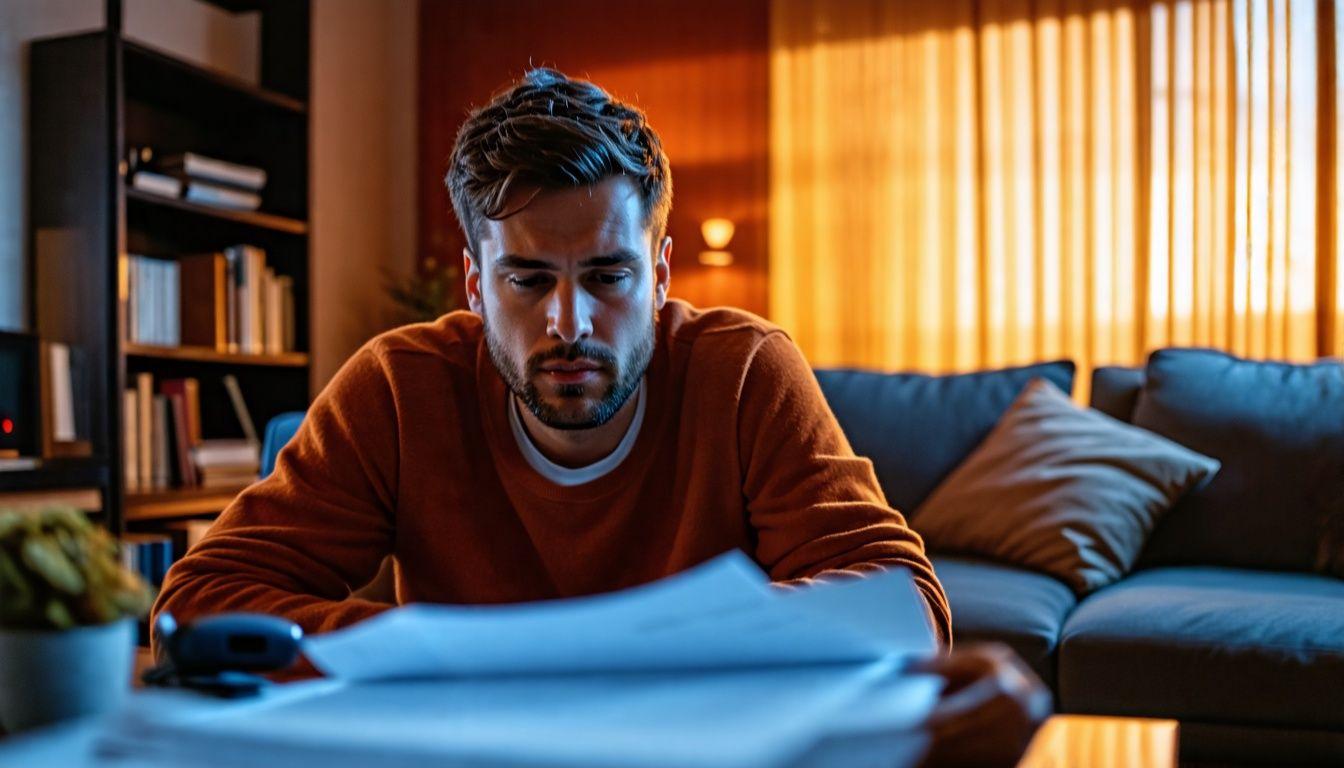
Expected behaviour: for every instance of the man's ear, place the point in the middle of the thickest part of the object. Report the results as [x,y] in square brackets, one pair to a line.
[472,271]
[662,272]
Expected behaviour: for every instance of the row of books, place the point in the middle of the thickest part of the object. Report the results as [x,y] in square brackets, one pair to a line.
[230,301]
[163,446]
[153,298]
[152,554]
[149,555]
[197,178]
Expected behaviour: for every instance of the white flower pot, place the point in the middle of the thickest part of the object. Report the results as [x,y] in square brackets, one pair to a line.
[52,675]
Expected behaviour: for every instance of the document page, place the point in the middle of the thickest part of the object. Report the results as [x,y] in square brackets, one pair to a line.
[720,615]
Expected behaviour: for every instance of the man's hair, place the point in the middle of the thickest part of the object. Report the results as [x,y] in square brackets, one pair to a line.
[546,132]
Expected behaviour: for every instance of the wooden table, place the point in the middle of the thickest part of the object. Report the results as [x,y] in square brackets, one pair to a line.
[1102,742]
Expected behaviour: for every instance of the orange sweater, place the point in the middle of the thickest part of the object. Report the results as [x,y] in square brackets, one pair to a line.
[408,451]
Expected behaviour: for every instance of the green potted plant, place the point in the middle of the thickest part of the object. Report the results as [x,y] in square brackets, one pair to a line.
[67,617]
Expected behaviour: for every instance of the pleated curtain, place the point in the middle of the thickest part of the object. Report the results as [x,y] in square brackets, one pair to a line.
[963,184]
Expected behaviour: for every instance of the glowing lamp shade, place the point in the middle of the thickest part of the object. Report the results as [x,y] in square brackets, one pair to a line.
[717,233]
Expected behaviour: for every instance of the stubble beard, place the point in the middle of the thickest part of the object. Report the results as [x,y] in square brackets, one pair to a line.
[629,374]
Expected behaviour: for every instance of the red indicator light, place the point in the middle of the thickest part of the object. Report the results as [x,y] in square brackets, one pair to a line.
[7,426]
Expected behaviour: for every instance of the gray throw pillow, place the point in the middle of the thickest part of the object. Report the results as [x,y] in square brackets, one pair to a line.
[1060,489]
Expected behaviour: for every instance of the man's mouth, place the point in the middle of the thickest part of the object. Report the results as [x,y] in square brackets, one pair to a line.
[578,371]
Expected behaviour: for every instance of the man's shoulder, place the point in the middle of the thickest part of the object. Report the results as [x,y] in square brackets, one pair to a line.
[715,330]
[453,337]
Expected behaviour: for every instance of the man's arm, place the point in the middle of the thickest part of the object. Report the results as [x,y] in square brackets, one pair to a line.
[296,543]
[817,508]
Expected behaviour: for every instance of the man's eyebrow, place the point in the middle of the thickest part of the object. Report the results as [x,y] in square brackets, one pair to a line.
[622,256]
[616,258]
[511,261]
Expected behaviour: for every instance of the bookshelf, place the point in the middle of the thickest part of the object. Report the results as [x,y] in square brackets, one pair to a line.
[93,96]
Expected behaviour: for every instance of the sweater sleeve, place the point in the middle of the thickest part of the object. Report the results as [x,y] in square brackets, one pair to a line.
[296,543]
[817,509]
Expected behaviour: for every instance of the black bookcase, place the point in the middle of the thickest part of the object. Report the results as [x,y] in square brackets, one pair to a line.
[92,97]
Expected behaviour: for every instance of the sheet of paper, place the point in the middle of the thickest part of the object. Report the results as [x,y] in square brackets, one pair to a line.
[722,614]
[756,718]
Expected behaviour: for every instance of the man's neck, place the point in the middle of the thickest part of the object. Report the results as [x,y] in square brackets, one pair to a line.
[573,448]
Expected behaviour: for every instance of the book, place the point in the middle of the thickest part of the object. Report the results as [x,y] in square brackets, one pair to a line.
[275,319]
[233,283]
[222,197]
[228,477]
[226,452]
[130,420]
[240,408]
[61,393]
[192,392]
[186,470]
[254,276]
[144,386]
[162,472]
[203,284]
[197,166]
[286,312]
[157,183]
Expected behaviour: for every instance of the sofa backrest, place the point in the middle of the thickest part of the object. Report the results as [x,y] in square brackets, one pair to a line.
[1115,390]
[1277,428]
[917,428]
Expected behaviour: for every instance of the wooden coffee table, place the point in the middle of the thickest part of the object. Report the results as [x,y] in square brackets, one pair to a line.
[1103,742]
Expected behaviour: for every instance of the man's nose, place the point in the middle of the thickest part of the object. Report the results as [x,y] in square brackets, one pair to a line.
[569,316]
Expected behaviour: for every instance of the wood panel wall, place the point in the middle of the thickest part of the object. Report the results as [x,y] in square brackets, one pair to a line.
[698,68]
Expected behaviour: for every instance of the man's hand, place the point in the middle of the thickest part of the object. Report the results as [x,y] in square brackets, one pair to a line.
[989,709]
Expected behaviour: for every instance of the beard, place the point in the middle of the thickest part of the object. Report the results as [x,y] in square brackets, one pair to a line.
[573,413]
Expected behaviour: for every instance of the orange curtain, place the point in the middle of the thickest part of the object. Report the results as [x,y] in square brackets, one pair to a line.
[966,184]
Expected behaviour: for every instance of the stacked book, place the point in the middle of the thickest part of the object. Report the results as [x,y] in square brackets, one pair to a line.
[163,446]
[153,298]
[236,303]
[198,178]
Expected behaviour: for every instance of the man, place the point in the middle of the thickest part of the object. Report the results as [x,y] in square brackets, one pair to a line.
[577,432]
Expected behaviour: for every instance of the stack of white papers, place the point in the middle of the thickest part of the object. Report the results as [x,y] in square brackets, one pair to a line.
[711,668]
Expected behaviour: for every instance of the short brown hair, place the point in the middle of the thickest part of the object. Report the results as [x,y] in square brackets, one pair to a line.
[548,131]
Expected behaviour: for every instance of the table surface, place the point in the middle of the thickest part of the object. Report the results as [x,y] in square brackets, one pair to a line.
[1103,742]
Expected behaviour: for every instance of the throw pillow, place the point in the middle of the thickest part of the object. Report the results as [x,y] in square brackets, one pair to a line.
[1059,489]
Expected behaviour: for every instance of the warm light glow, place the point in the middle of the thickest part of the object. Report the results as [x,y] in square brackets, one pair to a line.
[1076,185]
[717,233]
[7,426]
[716,258]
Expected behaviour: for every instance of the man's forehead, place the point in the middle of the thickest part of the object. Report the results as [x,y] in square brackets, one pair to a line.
[578,222]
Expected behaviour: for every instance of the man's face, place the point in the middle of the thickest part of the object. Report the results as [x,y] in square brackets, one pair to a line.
[569,289]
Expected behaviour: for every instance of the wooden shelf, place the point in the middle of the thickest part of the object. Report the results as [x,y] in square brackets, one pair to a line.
[56,474]
[179,502]
[172,76]
[207,355]
[268,221]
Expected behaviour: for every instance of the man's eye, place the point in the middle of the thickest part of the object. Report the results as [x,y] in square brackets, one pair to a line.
[527,282]
[612,278]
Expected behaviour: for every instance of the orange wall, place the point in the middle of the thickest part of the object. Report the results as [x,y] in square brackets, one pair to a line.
[698,68]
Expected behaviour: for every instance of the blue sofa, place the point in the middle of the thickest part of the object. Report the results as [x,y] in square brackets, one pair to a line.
[1222,625]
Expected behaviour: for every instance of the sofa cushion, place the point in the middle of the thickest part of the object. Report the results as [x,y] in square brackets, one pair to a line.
[1278,430]
[1115,390]
[1023,609]
[917,428]
[1209,644]
[1060,489]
